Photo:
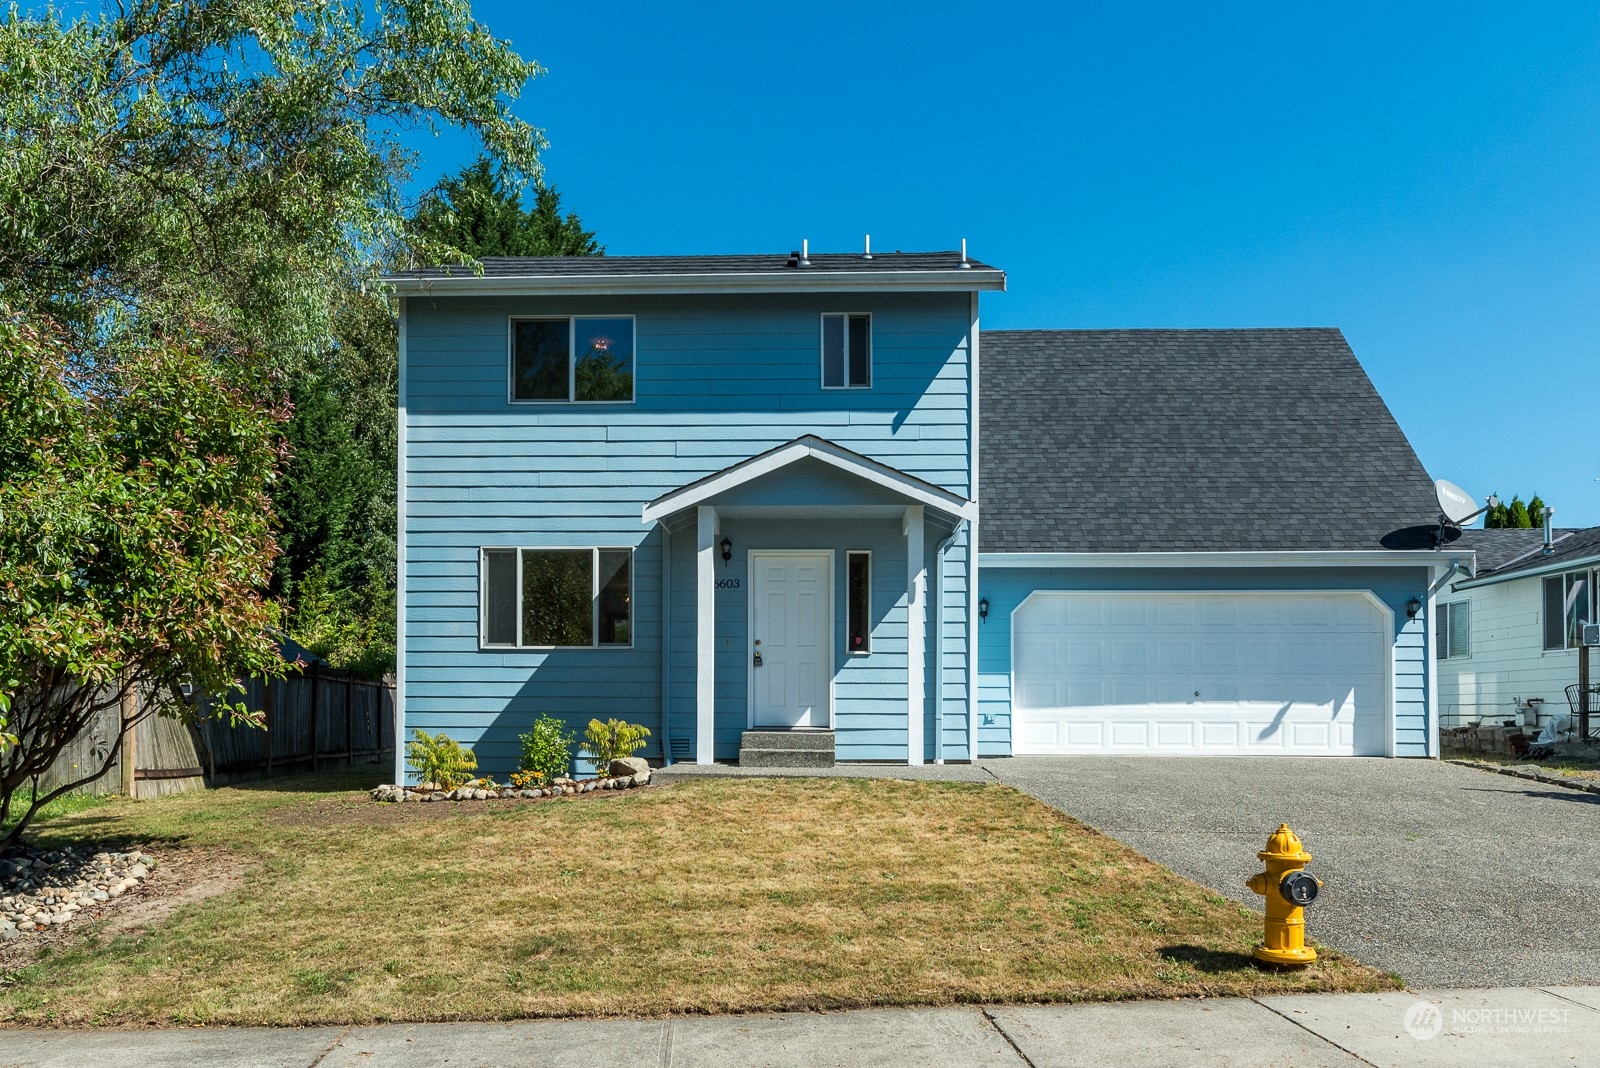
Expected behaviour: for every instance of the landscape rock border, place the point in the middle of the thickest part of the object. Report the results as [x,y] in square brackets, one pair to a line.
[473,791]
[1533,773]
[44,888]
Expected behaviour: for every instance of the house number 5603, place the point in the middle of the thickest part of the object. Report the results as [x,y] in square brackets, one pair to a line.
[727,584]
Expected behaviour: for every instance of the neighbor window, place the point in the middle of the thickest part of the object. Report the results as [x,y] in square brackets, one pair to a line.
[557,598]
[858,603]
[846,351]
[1567,600]
[1454,635]
[573,360]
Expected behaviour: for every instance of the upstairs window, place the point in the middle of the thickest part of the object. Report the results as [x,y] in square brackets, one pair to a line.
[847,351]
[1454,633]
[577,360]
[1567,600]
[557,598]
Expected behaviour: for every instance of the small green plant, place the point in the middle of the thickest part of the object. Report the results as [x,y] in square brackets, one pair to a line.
[440,759]
[546,750]
[612,740]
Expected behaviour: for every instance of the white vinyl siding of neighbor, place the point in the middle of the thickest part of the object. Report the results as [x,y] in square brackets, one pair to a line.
[1508,658]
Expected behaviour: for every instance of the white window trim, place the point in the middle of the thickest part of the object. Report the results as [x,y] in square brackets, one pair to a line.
[822,354]
[848,556]
[572,361]
[594,596]
[1590,578]
[1448,628]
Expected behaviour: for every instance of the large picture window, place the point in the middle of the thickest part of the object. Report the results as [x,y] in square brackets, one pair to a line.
[557,598]
[576,360]
[1567,601]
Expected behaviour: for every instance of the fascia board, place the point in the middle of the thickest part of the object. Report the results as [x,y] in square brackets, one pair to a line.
[799,281]
[876,473]
[1311,558]
[1577,563]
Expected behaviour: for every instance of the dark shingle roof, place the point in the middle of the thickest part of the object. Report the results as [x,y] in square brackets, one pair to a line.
[1496,557]
[652,266]
[1496,548]
[1191,440]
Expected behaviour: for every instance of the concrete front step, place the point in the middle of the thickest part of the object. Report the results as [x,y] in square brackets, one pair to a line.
[786,749]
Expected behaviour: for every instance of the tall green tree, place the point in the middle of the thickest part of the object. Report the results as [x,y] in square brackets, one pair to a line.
[480,212]
[1515,515]
[337,503]
[190,196]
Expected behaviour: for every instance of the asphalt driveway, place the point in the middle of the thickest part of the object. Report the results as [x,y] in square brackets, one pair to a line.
[1444,875]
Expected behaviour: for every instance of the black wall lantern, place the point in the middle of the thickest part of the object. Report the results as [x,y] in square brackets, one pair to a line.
[1413,606]
[727,551]
[983,608]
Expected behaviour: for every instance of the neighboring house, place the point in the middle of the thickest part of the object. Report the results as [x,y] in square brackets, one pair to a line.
[712,494]
[1510,633]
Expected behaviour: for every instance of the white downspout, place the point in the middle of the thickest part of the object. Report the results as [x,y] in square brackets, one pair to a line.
[666,646]
[938,645]
[400,560]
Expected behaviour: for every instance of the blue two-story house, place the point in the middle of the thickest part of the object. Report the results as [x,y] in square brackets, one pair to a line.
[745,500]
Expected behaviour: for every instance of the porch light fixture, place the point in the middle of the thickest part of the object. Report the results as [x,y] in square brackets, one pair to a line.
[983,608]
[727,551]
[1413,606]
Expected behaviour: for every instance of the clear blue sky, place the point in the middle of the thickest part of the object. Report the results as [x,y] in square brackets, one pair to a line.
[1424,179]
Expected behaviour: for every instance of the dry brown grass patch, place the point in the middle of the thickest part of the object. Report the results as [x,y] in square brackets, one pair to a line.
[712,895]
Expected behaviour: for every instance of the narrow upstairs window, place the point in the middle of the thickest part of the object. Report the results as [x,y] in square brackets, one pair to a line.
[847,351]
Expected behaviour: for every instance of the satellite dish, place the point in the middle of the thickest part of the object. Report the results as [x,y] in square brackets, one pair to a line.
[1455,503]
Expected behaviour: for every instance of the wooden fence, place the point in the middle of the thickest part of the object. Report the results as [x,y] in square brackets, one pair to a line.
[314,719]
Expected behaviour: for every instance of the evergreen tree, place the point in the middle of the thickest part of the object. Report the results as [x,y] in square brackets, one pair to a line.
[480,213]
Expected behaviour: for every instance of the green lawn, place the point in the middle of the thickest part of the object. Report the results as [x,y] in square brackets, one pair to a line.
[712,895]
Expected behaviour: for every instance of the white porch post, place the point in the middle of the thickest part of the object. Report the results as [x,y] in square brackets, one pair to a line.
[705,632]
[916,633]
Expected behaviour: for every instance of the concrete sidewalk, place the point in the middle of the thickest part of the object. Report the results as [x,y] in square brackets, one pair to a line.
[1483,1028]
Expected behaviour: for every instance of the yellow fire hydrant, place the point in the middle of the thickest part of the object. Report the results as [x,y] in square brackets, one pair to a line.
[1288,890]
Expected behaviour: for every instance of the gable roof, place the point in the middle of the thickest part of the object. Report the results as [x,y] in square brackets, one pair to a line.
[823,271]
[1508,553]
[809,447]
[1191,441]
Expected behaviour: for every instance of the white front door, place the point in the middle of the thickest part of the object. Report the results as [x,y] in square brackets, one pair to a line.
[791,624]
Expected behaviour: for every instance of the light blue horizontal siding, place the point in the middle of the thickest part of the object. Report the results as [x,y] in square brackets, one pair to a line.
[718,379]
[1006,588]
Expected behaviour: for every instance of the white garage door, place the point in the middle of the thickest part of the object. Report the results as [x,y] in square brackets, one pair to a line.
[1298,674]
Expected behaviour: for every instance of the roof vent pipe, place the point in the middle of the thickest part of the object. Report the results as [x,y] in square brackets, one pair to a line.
[867,255]
[805,252]
[964,262]
[1549,531]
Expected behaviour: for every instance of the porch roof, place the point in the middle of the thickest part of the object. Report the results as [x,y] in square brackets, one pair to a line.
[900,485]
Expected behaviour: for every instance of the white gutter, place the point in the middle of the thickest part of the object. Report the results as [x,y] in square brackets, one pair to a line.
[792,280]
[1312,558]
[1573,563]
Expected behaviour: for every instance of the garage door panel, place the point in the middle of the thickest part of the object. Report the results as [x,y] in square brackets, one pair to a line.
[1299,674]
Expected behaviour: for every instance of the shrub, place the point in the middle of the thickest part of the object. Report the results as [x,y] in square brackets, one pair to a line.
[440,759]
[612,740]
[546,750]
